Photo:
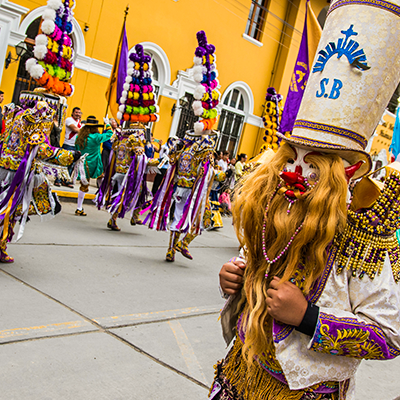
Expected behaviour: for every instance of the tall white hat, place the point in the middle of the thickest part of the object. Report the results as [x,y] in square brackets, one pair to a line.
[354,74]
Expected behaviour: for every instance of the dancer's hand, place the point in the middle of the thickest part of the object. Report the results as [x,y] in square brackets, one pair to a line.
[285,302]
[231,276]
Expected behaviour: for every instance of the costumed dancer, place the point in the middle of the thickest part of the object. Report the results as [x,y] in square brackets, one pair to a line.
[24,187]
[124,187]
[189,178]
[316,289]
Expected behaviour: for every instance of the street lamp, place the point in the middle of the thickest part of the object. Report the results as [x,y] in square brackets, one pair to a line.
[183,103]
[21,49]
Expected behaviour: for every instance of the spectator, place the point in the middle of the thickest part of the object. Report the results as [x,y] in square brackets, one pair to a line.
[230,174]
[150,148]
[72,127]
[225,201]
[55,134]
[239,166]
[164,151]
[223,162]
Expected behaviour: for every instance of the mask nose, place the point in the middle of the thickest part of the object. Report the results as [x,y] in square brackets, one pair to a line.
[299,169]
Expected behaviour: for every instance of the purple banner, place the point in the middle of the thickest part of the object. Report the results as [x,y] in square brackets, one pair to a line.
[122,64]
[297,84]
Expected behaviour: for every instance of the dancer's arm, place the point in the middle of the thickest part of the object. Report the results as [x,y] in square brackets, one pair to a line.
[231,276]
[371,330]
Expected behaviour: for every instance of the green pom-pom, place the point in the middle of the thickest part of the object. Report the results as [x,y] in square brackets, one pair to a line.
[213,113]
[50,69]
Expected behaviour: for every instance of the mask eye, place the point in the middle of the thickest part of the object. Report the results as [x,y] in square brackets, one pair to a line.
[290,161]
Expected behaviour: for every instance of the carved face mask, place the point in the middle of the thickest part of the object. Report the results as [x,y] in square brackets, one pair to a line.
[299,175]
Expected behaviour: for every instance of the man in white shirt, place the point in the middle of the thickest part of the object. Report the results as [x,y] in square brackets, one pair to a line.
[223,162]
[72,127]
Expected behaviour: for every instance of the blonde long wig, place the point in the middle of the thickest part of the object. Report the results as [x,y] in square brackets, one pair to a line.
[323,213]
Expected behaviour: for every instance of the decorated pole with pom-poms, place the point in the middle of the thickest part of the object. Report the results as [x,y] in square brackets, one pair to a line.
[137,102]
[271,119]
[52,67]
[206,94]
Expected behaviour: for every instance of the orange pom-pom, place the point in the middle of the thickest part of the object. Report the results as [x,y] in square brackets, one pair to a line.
[57,87]
[146,118]
[153,117]
[141,118]
[50,83]
[126,117]
[134,117]
[67,89]
[42,81]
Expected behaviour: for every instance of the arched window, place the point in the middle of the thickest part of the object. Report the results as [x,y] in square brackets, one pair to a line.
[154,70]
[237,103]
[234,100]
[24,80]
[159,65]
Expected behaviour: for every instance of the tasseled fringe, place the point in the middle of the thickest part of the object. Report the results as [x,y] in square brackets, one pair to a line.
[255,382]
[215,376]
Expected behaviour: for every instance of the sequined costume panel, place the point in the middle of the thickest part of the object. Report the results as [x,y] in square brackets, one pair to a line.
[124,146]
[30,129]
[14,146]
[196,150]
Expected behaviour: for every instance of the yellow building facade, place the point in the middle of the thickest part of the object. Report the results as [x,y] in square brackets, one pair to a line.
[256,46]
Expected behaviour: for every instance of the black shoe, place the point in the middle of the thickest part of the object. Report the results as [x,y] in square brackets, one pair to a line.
[81,213]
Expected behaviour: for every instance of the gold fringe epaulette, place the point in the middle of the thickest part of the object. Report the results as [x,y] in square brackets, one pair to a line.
[370,234]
